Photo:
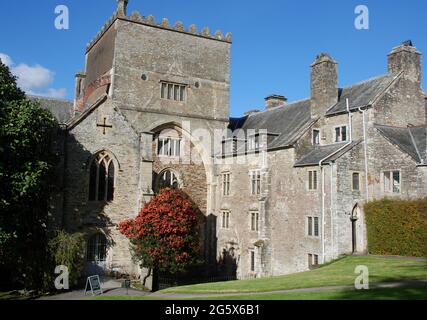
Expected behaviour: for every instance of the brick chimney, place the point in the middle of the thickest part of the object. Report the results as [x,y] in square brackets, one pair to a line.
[324,84]
[274,100]
[406,58]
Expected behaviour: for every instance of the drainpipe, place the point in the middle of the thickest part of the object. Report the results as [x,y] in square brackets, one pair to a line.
[365,153]
[322,173]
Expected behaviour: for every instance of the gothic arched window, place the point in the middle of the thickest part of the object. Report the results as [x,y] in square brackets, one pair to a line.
[167,179]
[97,248]
[101,184]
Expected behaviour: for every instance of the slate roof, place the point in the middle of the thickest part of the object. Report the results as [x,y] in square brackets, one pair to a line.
[412,141]
[288,122]
[362,94]
[63,110]
[327,153]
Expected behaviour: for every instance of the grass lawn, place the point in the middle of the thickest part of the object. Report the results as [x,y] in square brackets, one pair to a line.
[401,293]
[337,273]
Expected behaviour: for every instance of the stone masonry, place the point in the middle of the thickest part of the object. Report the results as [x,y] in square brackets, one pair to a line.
[299,173]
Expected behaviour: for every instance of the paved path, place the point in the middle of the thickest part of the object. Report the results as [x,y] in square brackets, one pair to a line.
[111,288]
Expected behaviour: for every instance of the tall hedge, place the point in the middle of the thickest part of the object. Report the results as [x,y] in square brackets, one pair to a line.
[397,227]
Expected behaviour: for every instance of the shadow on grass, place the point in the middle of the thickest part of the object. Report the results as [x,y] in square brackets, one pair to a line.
[399,293]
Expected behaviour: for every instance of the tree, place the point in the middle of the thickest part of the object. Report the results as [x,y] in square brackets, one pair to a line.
[164,236]
[26,172]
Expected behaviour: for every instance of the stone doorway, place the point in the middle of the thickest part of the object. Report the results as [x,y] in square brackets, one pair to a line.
[356,230]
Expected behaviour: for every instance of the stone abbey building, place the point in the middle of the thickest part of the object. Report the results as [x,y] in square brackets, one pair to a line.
[282,189]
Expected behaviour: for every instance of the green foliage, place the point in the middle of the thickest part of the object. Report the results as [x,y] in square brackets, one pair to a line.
[26,173]
[68,250]
[397,227]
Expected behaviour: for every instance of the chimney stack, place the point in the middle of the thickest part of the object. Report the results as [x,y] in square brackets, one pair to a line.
[274,100]
[121,7]
[406,58]
[324,84]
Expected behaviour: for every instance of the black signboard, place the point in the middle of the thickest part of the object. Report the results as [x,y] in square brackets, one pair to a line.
[93,284]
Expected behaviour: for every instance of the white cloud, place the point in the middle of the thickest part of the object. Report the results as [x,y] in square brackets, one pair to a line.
[6,59]
[34,80]
[51,93]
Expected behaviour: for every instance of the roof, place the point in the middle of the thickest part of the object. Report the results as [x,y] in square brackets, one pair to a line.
[411,140]
[63,110]
[287,121]
[362,94]
[326,153]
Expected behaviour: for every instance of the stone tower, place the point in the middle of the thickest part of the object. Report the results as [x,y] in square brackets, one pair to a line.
[145,83]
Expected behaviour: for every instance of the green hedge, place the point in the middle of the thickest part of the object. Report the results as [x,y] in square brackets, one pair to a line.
[397,227]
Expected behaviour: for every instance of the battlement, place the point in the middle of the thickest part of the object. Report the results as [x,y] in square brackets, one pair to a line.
[136,17]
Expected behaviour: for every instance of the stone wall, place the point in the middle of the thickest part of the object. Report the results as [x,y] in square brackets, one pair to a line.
[122,144]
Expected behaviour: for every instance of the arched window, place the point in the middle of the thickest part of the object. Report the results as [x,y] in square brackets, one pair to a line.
[97,248]
[167,179]
[101,184]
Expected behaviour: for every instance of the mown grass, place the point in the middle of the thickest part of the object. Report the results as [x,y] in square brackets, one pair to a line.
[400,293]
[341,272]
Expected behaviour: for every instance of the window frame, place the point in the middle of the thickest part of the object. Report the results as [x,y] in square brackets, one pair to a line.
[313,141]
[313,260]
[313,180]
[173,91]
[225,219]
[173,148]
[340,127]
[359,189]
[255,182]
[94,247]
[226,184]
[313,227]
[390,189]
[101,160]
[254,221]
[252,260]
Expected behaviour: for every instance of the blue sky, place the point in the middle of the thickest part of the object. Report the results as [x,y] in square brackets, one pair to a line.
[274,41]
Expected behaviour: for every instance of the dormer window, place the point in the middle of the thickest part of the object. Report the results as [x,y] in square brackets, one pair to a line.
[341,134]
[173,91]
[254,142]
